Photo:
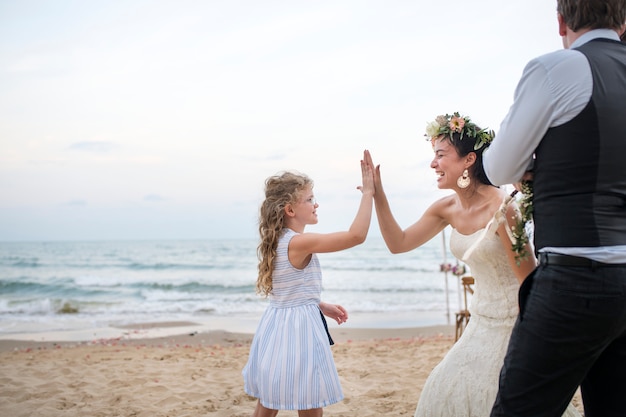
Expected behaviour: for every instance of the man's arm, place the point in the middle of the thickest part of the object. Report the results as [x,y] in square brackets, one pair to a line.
[528,119]
[553,89]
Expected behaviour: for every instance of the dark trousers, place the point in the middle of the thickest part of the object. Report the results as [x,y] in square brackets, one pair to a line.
[571,331]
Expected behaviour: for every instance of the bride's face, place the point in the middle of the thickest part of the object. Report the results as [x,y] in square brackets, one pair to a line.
[447,163]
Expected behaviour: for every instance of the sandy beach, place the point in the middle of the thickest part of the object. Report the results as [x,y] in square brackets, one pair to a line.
[199,374]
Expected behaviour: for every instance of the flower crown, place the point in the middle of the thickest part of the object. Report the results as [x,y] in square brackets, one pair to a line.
[449,124]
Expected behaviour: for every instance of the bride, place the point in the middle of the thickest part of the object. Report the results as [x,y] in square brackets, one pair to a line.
[482,217]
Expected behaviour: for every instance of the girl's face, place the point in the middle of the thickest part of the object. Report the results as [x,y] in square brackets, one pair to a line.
[447,163]
[306,207]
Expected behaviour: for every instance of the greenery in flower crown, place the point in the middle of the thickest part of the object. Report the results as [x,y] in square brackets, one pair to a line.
[449,124]
[526,211]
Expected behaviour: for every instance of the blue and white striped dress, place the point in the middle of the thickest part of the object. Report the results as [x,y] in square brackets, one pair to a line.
[291,366]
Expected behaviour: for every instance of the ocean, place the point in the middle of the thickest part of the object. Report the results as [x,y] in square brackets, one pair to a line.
[78,286]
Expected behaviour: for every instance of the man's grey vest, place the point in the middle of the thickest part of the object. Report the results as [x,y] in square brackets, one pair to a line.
[580,167]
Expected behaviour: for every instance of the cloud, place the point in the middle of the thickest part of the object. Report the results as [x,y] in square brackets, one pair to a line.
[76,203]
[154,198]
[93,146]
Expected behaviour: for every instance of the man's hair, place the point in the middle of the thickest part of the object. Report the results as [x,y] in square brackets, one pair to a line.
[592,14]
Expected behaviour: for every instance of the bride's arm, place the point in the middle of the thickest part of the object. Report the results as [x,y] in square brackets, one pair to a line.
[400,240]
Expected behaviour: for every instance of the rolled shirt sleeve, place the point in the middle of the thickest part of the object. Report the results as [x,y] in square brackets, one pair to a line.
[553,89]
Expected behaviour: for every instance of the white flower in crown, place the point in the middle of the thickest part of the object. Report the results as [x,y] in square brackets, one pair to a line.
[432,129]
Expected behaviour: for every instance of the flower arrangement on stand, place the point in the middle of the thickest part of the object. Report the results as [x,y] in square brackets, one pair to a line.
[458,270]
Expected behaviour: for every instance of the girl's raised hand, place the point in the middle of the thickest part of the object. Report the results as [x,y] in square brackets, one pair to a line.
[367,174]
[378,185]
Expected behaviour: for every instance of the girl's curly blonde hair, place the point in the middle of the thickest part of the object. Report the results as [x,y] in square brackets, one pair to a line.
[280,190]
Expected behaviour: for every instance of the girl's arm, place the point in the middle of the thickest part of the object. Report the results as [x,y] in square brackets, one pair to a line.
[301,246]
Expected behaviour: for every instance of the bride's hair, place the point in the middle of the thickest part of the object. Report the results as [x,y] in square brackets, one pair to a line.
[465,146]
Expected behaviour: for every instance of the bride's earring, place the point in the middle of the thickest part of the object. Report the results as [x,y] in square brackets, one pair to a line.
[463,181]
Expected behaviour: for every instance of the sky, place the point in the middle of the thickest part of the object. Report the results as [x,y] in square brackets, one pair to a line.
[162,119]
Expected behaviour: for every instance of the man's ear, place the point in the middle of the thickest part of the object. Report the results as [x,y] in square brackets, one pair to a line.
[562,25]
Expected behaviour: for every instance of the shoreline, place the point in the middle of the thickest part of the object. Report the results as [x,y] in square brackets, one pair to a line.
[84,330]
[164,334]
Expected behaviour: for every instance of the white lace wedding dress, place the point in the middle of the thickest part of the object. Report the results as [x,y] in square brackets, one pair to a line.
[465,382]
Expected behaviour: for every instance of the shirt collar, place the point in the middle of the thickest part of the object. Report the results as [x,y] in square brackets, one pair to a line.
[594,34]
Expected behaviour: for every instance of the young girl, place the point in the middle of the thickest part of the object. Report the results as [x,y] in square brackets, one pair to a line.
[291,366]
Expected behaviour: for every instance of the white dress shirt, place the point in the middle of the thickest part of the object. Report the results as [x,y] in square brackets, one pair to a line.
[554,88]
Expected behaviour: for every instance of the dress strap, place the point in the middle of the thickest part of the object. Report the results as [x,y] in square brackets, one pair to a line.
[498,217]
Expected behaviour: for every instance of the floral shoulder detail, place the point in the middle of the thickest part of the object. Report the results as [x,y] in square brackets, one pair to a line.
[520,237]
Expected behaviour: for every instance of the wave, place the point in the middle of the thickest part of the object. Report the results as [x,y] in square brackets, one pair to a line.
[69,287]
[379,268]
[32,264]
[390,290]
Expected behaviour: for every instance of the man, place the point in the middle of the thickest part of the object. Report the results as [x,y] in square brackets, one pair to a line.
[568,121]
